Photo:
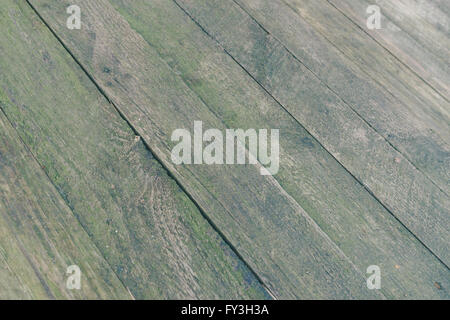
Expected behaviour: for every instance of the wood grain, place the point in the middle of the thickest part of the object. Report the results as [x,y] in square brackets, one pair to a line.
[419,130]
[408,193]
[364,150]
[402,80]
[415,32]
[153,236]
[39,235]
[342,208]
[271,231]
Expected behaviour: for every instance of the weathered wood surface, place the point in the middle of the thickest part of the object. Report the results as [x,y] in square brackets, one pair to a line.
[39,235]
[272,232]
[416,32]
[296,82]
[420,101]
[330,195]
[360,147]
[411,122]
[148,230]
[377,63]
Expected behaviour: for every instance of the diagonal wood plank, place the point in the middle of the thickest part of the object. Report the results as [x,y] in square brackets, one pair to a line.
[273,233]
[407,126]
[420,131]
[344,210]
[412,31]
[426,22]
[415,200]
[11,286]
[149,231]
[376,62]
[39,235]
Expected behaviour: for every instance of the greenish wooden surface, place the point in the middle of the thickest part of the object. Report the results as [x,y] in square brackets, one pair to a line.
[150,233]
[415,108]
[272,232]
[377,63]
[342,208]
[414,32]
[39,235]
[418,129]
[416,126]
[412,197]
[308,232]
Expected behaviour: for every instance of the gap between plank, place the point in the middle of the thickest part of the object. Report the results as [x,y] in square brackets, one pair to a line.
[337,95]
[47,289]
[169,173]
[348,171]
[391,53]
[322,233]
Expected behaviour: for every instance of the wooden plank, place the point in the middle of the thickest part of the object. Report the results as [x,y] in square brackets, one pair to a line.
[407,126]
[425,21]
[415,32]
[342,208]
[11,286]
[415,126]
[378,64]
[418,203]
[150,232]
[271,231]
[39,235]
